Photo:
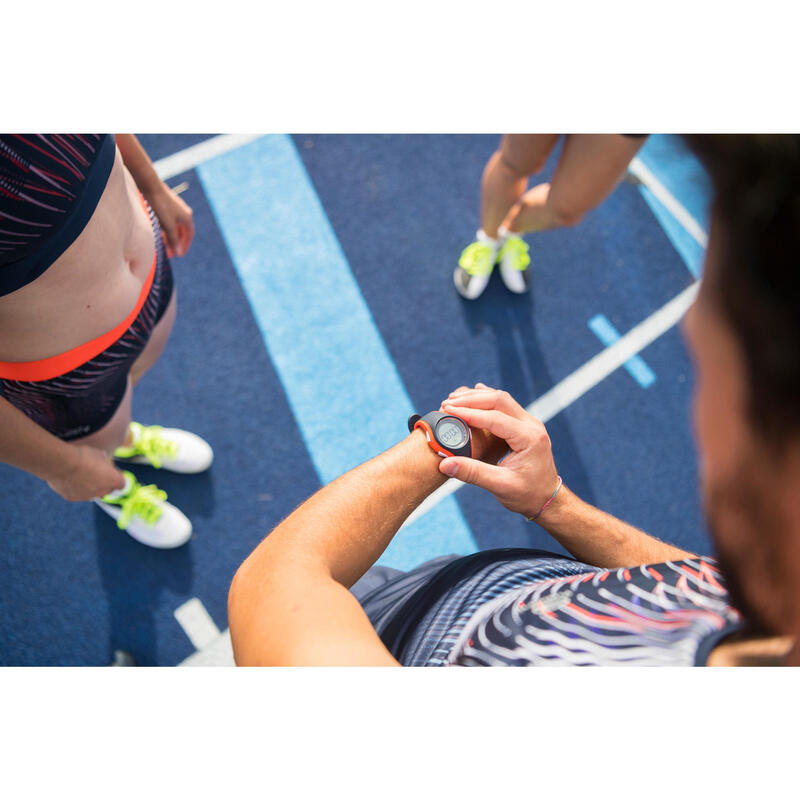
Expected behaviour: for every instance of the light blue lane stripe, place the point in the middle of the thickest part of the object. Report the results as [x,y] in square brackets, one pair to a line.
[668,158]
[636,366]
[671,161]
[347,397]
[688,249]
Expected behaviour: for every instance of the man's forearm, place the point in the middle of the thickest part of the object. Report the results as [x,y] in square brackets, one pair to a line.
[346,525]
[597,538]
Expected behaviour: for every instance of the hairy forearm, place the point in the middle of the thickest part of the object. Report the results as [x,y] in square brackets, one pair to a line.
[138,164]
[29,447]
[597,538]
[343,529]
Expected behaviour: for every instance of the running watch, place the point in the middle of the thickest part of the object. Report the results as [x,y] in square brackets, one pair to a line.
[447,435]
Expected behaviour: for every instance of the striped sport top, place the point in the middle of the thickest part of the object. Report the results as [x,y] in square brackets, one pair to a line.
[50,185]
[669,614]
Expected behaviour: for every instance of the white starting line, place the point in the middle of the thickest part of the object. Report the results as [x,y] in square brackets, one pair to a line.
[214,646]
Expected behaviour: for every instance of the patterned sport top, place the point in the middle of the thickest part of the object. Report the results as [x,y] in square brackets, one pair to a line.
[50,185]
[670,614]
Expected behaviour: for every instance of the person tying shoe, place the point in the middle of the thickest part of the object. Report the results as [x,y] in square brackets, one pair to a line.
[87,304]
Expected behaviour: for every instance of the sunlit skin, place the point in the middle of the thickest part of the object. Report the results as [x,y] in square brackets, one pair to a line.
[289,602]
[86,292]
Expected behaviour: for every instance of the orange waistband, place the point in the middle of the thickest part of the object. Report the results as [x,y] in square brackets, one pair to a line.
[47,368]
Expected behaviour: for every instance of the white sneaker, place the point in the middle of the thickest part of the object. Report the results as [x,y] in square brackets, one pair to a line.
[170,448]
[515,263]
[144,513]
[475,266]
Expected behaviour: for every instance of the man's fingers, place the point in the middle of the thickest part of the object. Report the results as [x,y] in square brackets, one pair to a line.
[469,470]
[491,399]
[506,427]
[456,392]
[466,389]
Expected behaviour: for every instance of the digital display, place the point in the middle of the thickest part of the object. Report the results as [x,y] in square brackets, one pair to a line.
[451,433]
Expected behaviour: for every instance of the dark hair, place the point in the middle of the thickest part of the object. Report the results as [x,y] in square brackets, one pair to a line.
[756,282]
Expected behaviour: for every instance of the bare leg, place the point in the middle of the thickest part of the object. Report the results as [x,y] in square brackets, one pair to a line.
[505,176]
[590,167]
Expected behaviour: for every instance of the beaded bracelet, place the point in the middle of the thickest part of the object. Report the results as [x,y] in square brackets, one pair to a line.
[552,497]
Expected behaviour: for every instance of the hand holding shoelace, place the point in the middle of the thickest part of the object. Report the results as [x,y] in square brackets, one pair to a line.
[526,477]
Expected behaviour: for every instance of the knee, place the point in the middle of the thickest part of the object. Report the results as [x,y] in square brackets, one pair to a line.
[518,168]
[565,217]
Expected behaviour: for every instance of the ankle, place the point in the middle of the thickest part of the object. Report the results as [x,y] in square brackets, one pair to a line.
[484,237]
[504,233]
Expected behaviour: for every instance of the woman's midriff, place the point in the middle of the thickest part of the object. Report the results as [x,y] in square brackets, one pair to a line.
[91,288]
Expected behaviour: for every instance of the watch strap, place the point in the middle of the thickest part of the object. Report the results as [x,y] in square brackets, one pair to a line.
[428,425]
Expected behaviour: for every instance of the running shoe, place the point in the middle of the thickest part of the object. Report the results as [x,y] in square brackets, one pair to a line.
[515,264]
[170,448]
[144,513]
[475,266]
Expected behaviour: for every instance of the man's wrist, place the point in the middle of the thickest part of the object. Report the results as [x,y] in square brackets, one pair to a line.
[419,459]
[557,510]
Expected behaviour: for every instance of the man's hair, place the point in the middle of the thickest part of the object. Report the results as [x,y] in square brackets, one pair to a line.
[755,280]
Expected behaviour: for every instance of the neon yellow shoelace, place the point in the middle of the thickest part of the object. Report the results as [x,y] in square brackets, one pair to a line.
[140,501]
[517,251]
[150,444]
[477,259]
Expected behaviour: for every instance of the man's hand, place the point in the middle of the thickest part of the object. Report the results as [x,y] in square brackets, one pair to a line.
[526,477]
[175,218]
[485,446]
[88,474]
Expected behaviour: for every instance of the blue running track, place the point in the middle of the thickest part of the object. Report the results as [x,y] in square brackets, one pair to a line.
[316,311]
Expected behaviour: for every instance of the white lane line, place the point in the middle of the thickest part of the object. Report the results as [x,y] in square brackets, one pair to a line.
[638,169]
[218,653]
[197,623]
[189,158]
[585,377]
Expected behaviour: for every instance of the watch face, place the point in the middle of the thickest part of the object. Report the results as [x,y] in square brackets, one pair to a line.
[451,433]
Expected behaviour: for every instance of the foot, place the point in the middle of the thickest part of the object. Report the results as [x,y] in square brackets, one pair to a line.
[143,511]
[170,448]
[475,266]
[515,264]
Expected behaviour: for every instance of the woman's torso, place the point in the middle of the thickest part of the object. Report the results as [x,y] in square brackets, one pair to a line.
[91,287]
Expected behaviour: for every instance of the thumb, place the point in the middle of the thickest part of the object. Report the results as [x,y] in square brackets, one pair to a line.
[173,241]
[470,470]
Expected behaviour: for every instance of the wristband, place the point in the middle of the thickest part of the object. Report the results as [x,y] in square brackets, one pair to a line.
[552,497]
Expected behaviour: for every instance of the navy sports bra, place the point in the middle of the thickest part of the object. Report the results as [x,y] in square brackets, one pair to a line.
[50,185]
